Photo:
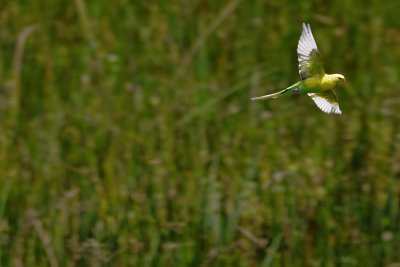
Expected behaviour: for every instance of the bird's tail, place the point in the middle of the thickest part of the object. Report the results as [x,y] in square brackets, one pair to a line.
[274,95]
[277,94]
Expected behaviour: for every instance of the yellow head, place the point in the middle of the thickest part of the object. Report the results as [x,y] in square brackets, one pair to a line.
[329,81]
[338,77]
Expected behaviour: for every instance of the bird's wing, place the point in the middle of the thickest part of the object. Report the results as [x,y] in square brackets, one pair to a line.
[310,60]
[326,101]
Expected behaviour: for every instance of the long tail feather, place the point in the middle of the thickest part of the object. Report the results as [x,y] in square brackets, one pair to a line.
[274,95]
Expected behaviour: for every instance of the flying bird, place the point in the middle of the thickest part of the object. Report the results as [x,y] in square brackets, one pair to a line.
[313,79]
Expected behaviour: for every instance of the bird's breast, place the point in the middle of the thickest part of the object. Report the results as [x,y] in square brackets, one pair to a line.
[311,85]
[312,82]
[328,82]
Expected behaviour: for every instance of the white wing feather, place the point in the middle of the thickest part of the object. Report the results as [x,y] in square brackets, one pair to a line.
[325,105]
[306,52]
[306,43]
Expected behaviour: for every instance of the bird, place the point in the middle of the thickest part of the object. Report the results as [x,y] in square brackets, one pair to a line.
[313,80]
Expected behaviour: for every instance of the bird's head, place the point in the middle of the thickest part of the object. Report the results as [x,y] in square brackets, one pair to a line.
[339,77]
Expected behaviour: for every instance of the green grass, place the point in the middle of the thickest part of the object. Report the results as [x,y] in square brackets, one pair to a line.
[127,137]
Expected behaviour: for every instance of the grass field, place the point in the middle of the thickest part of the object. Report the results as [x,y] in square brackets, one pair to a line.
[128,138]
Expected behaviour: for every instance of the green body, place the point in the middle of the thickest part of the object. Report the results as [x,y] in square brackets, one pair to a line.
[313,85]
[299,88]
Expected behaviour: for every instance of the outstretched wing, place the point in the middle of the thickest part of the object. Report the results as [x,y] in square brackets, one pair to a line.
[310,60]
[326,101]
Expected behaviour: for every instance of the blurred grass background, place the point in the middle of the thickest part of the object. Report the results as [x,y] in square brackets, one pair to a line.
[127,137]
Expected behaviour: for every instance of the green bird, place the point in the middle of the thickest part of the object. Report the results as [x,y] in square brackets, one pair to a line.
[313,79]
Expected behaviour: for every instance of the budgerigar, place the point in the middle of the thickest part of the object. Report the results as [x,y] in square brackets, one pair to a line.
[313,79]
